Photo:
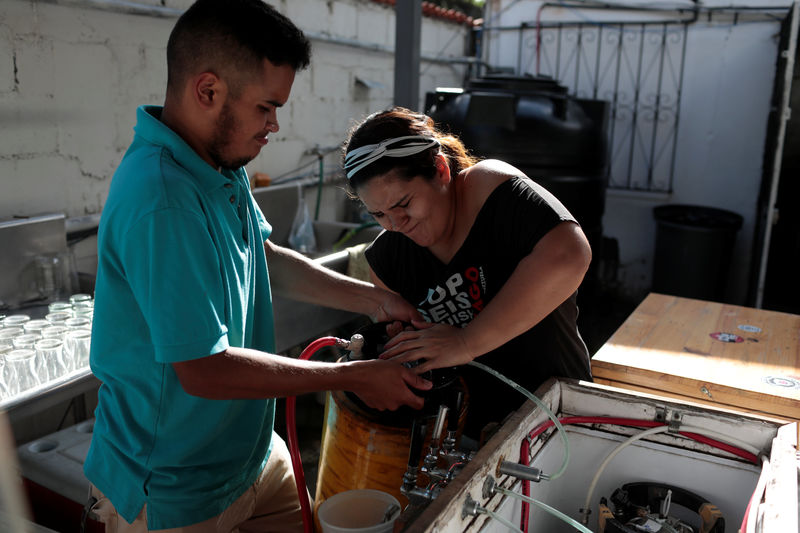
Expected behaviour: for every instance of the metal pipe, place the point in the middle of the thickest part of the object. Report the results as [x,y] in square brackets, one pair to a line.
[120,6]
[652,157]
[677,108]
[519,47]
[635,113]
[774,179]
[319,186]
[407,51]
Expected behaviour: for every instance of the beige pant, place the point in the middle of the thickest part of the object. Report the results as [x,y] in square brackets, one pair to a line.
[269,505]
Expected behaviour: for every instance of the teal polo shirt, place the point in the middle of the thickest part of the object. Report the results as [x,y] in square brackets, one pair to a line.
[181,275]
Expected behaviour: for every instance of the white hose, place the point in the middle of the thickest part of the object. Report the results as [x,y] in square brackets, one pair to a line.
[555,512]
[499,518]
[755,499]
[622,446]
[538,402]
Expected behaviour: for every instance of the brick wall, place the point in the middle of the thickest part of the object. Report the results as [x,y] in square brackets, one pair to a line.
[72,75]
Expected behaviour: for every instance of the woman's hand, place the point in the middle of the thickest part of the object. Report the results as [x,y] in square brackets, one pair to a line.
[440,345]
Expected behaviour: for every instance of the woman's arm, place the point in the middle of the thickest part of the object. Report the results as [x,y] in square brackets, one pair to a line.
[541,282]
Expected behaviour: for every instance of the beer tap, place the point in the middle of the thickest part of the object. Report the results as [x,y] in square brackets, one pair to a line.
[432,458]
[409,488]
[449,452]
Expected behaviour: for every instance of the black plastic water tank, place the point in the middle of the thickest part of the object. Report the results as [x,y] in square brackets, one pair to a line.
[694,247]
[532,123]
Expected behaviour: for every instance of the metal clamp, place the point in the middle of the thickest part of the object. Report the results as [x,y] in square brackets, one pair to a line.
[675,421]
[672,418]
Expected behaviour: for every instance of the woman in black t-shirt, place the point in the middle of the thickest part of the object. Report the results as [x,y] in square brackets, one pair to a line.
[491,260]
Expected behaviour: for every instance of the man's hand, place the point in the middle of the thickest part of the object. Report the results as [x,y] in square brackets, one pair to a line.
[385,385]
[394,307]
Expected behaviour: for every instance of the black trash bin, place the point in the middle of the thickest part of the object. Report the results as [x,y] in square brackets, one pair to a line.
[694,247]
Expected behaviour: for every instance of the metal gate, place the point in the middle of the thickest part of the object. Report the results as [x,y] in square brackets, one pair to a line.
[636,65]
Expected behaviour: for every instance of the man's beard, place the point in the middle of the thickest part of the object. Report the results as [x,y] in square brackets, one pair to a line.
[225,129]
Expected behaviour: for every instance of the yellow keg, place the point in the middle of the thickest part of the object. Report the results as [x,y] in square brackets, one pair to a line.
[363,448]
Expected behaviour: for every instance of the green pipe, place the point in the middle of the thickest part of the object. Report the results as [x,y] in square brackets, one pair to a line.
[319,187]
[351,233]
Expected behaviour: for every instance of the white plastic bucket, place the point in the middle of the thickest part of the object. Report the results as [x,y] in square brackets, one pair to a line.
[357,511]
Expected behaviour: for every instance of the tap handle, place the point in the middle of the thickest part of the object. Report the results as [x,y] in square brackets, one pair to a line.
[438,427]
[418,430]
[456,399]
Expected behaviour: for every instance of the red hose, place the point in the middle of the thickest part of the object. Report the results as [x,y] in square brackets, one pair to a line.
[291,435]
[743,527]
[721,446]
[594,420]
[535,432]
[524,451]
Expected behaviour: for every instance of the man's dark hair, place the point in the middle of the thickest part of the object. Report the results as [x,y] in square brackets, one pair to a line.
[232,38]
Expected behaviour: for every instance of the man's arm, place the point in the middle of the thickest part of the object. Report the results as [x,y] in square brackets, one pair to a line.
[247,373]
[241,373]
[295,276]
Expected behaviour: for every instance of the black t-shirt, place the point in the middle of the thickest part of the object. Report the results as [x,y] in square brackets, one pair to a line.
[515,216]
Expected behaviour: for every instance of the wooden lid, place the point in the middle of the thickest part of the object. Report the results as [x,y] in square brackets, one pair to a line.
[717,353]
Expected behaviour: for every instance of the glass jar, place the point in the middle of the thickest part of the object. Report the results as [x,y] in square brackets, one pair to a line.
[57,318]
[78,322]
[75,298]
[76,348]
[26,340]
[59,306]
[54,332]
[35,326]
[23,370]
[50,359]
[7,336]
[83,309]
[15,321]
[3,380]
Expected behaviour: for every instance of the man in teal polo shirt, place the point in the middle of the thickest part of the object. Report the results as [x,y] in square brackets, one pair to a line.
[183,337]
